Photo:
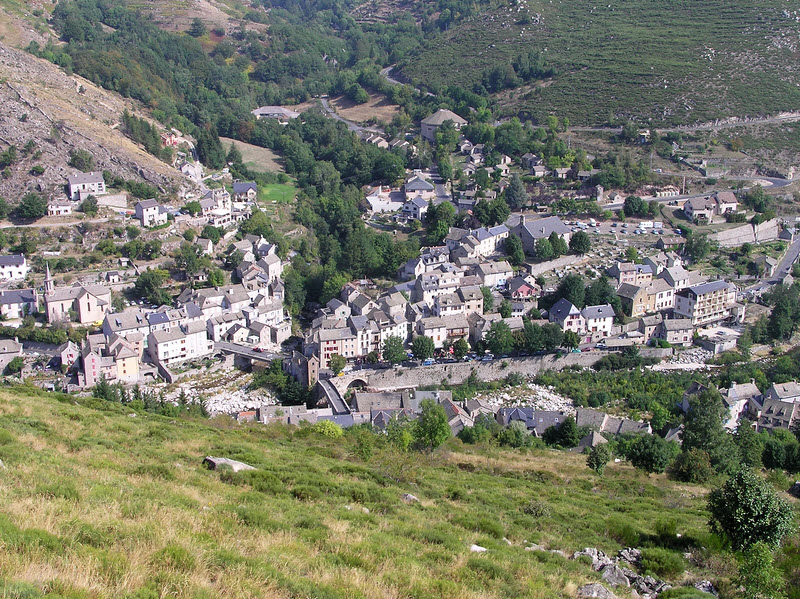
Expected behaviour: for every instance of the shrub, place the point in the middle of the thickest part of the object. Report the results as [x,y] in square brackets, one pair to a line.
[747,510]
[622,531]
[683,593]
[326,428]
[537,509]
[662,562]
[598,458]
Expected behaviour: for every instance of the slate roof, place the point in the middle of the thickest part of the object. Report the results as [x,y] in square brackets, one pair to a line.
[544,227]
[596,312]
[82,178]
[12,260]
[17,296]
[244,187]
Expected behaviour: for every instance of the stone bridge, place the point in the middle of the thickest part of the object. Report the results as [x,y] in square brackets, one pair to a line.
[454,374]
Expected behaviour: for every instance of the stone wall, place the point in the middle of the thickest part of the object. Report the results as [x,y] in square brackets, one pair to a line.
[563,261]
[766,231]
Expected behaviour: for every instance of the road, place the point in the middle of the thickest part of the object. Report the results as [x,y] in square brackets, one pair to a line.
[335,399]
[385,73]
[716,126]
[246,351]
[355,127]
[60,224]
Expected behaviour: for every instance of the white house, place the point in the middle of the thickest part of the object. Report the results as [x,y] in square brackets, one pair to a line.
[598,320]
[84,185]
[179,344]
[150,213]
[59,208]
[567,316]
[415,208]
[13,267]
[17,303]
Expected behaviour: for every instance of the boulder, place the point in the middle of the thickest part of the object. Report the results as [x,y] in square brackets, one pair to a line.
[535,547]
[595,590]
[477,549]
[794,490]
[630,555]
[705,586]
[2,465]
[599,559]
[409,498]
[213,463]
[614,576]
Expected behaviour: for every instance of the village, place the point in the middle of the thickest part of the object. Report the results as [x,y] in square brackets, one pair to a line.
[513,292]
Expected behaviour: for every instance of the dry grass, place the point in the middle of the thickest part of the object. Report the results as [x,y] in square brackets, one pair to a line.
[378,109]
[256,157]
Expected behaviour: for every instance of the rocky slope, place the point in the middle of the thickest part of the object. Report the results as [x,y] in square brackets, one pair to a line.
[59,113]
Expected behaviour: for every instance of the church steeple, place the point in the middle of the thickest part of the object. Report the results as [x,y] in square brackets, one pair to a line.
[49,286]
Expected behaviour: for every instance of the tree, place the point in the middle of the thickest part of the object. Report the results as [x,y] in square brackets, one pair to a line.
[746,510]
[558,244]
[393,350]
[567,434]
[774,455]
[693,466]
[571,340]
[460,348]
[209,148]
[580,243]
[552,336]
[422,347]
[234,156]
[149,285]
[488,300]
[634,206]
[89,206]
[505,308]
[337,363]
[651,453]
[189,235]
[198,28]
[499,338]
[514,435]
[598,458]
[758,575]
[573,289]
[704,429]
[212,233]
[193,208]
[15,365]
[81,160]
[514,250]
[431,428]
[216,278]
[32,206]
[516,194]
[543,250]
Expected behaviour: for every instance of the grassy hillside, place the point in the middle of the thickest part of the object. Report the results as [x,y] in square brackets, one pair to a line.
[99,501]
[675,61]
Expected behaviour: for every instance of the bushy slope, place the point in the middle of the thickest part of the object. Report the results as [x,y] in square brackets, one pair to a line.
[97,502]
[675,61]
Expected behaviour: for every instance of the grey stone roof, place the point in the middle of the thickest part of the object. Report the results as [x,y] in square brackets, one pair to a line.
[442,115]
